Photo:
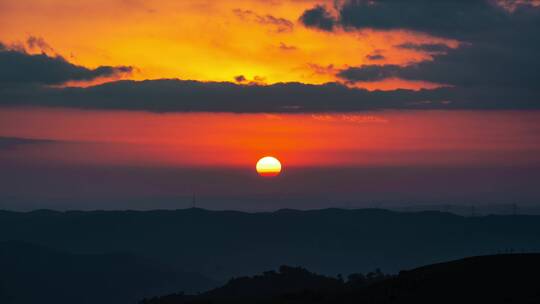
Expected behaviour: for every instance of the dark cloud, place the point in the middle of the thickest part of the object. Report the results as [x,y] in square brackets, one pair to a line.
[318,17]
[497,46]
[449,18]
[480,66]
[19,67]
[170,95]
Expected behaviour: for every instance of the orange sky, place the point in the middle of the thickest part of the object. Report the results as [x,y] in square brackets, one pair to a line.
[205,40]
[386,138]
[263,41]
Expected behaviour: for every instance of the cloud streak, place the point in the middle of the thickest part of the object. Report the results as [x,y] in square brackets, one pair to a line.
[10,143]
[280,25]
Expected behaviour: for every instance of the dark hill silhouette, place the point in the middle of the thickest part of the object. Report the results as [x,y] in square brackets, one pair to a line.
[487,279]
[224,244]
[288,279]
[33,274]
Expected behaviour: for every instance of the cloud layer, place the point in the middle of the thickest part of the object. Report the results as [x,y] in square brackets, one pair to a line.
[19,67]
[497,49]
[168,95]
[495,65]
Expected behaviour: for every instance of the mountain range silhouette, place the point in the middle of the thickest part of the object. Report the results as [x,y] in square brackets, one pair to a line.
[123,256]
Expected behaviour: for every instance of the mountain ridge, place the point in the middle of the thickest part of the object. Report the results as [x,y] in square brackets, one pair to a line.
[328,241]
[60,277]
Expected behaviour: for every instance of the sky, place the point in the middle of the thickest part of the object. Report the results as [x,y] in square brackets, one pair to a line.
[128,104]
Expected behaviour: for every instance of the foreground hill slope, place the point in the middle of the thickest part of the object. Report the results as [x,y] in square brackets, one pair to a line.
[34,274]
[486,279]
[223,244]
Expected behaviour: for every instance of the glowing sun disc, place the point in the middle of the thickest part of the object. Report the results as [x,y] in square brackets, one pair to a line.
[268,166]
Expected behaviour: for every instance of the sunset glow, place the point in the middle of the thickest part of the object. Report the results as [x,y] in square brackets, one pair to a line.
[198,86]
[167,33]
[218,139]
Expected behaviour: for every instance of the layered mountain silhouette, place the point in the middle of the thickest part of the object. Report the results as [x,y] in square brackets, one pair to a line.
[225,244]
[34,274]
[511,278]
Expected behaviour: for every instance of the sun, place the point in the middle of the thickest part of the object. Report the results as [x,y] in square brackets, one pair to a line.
[268,166]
